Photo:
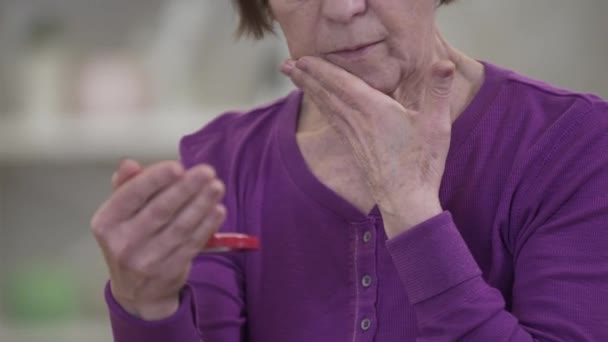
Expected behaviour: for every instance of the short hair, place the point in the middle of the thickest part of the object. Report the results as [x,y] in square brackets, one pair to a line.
[256,19]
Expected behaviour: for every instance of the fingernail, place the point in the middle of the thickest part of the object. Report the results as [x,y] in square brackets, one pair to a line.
[288,66]
[302,64]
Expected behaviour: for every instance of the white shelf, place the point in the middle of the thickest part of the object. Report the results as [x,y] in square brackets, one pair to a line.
[71,331]
[89,139]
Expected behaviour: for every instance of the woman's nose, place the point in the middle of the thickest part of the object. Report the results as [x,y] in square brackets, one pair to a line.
[343,11]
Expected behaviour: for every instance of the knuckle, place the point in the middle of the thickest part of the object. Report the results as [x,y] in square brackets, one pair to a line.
[185,187]
[171,168]
[100,234]
[221,211]
[441,90]
[192,184]
[209,171]
[145,267]
[215,188]
[305,61]
[130,259]
[441,93]
[100,228]
[218,221]
[214,221]
[97,226]
[98,218]
[299,78]
[221,188]
[123,255]
[219,214]
[164,174]
[136,266]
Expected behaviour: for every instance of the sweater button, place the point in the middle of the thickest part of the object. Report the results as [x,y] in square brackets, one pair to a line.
[366,324]
[366,281]
[367,236]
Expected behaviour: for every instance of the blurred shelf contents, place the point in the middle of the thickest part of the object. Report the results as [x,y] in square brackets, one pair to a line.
[94,82]
[89,330]
[81,139]
[66,56]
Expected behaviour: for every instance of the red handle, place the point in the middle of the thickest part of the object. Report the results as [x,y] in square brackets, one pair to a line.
[226,242]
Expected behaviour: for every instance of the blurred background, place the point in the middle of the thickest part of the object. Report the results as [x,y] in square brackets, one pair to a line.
[86,82]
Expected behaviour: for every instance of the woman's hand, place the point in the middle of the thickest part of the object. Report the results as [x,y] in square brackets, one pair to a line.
[155,222]
[400,143]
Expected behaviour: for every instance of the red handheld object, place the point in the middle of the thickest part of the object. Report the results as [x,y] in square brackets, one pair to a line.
[231,242]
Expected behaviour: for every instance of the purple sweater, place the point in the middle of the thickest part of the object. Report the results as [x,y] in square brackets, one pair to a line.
[520,253]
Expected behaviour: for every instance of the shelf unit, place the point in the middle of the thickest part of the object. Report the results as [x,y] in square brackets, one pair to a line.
[86,139]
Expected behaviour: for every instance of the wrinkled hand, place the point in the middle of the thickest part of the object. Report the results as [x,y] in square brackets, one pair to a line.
[155,222]
[400,143]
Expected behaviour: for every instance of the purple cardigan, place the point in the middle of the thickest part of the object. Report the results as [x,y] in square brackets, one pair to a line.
[520,253]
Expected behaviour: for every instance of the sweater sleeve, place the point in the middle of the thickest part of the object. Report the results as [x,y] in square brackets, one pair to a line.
[560,293]
[560,257]
[178,327]
[212,303]
[211,308]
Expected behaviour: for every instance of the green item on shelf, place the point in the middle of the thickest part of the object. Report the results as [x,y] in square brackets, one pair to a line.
[40,293]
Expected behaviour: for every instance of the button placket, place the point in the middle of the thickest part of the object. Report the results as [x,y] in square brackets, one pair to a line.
[366,272]
[367,278]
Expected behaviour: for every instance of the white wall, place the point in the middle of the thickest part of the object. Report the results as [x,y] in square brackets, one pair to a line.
[562,41]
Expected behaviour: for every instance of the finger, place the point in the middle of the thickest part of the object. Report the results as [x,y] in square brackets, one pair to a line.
[131,197]
[127,169]
[323,98]
[162,208]
[208,227]
[311,86]
[181,228]
[439,89]
[191,228]
[192,216]
[174,256]
[342,116]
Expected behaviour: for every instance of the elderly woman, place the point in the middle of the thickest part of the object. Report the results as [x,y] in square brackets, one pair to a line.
[405,192]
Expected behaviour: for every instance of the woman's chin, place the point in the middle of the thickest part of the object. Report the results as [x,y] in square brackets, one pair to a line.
[382,76]
[386,84]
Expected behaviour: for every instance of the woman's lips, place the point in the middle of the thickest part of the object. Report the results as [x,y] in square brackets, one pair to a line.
[355,53]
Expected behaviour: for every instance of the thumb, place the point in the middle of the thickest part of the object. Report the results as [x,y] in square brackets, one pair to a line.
[127,169]
[440,88]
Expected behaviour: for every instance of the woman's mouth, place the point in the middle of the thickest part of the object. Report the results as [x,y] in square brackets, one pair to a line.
[356,52]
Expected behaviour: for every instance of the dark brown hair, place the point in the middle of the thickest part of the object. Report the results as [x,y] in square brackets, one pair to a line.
[256,19]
